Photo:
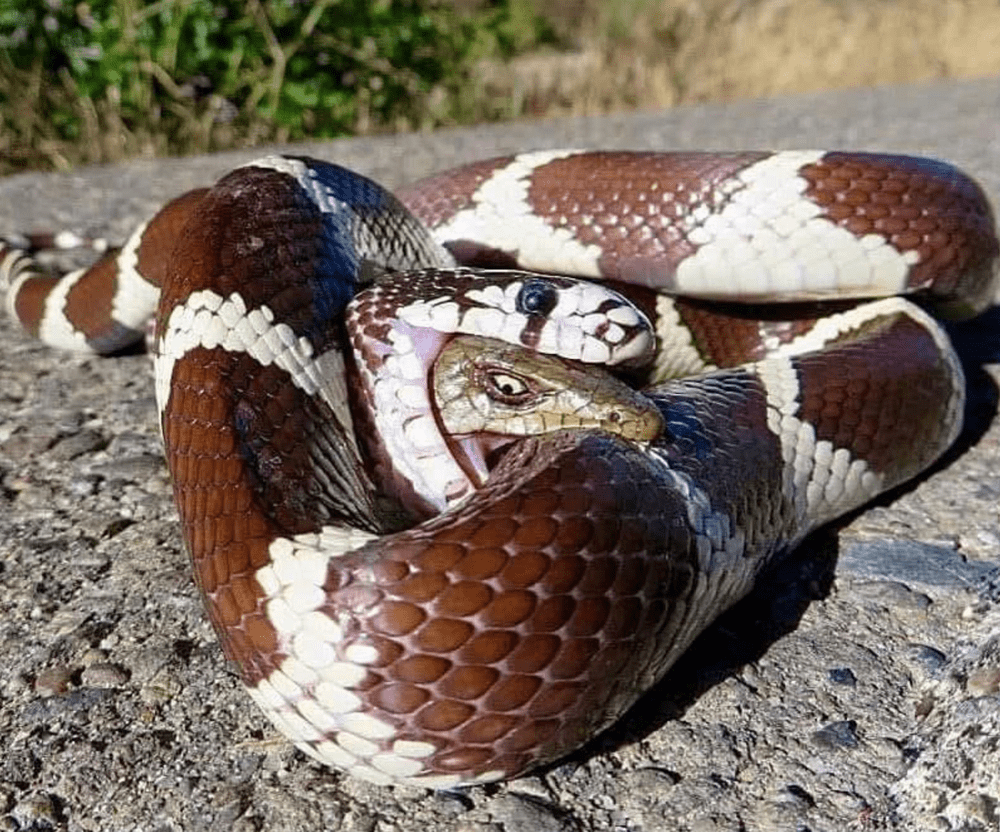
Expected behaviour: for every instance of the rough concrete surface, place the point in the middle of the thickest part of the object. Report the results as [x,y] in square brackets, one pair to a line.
[856,689]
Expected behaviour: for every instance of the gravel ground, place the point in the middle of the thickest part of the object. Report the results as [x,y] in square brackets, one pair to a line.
[856,689]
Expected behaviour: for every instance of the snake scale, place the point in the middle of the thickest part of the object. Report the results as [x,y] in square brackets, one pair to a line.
[462,472]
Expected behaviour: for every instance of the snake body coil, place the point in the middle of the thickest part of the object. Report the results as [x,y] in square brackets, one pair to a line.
[439,560]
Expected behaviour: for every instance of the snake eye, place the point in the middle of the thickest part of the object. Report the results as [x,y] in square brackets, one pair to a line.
[536,298]
[506,388]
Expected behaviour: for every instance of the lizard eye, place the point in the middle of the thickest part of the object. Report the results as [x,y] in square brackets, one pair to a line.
[506,387]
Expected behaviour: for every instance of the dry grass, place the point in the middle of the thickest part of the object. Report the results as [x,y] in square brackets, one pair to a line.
[652,54]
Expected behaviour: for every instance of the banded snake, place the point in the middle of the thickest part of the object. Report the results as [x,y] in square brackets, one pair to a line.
[417,592]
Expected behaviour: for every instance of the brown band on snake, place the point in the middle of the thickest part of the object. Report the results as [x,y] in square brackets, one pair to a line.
[29,303]
[161,236]
[871,410]
[90,305]
[727,335]
[436,198]
[641,201]
[918,205]
[234,244]
[227,537]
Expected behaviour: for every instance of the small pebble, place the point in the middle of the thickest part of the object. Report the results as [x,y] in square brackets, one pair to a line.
[793,794]
[971,811]
[52,681]
[78,444]
[83,486]
[928,659]
[36,811]
[891,594]
[842,734]
[130,469]
[93,656]
[983,681]
[516,814]
[843,676]
[104,675]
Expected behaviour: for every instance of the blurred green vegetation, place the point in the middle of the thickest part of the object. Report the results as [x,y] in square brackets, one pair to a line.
[102,80]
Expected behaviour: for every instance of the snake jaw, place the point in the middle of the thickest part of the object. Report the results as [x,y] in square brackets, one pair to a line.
[431,448]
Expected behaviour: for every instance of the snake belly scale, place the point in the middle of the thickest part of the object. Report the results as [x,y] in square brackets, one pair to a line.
[451,523]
